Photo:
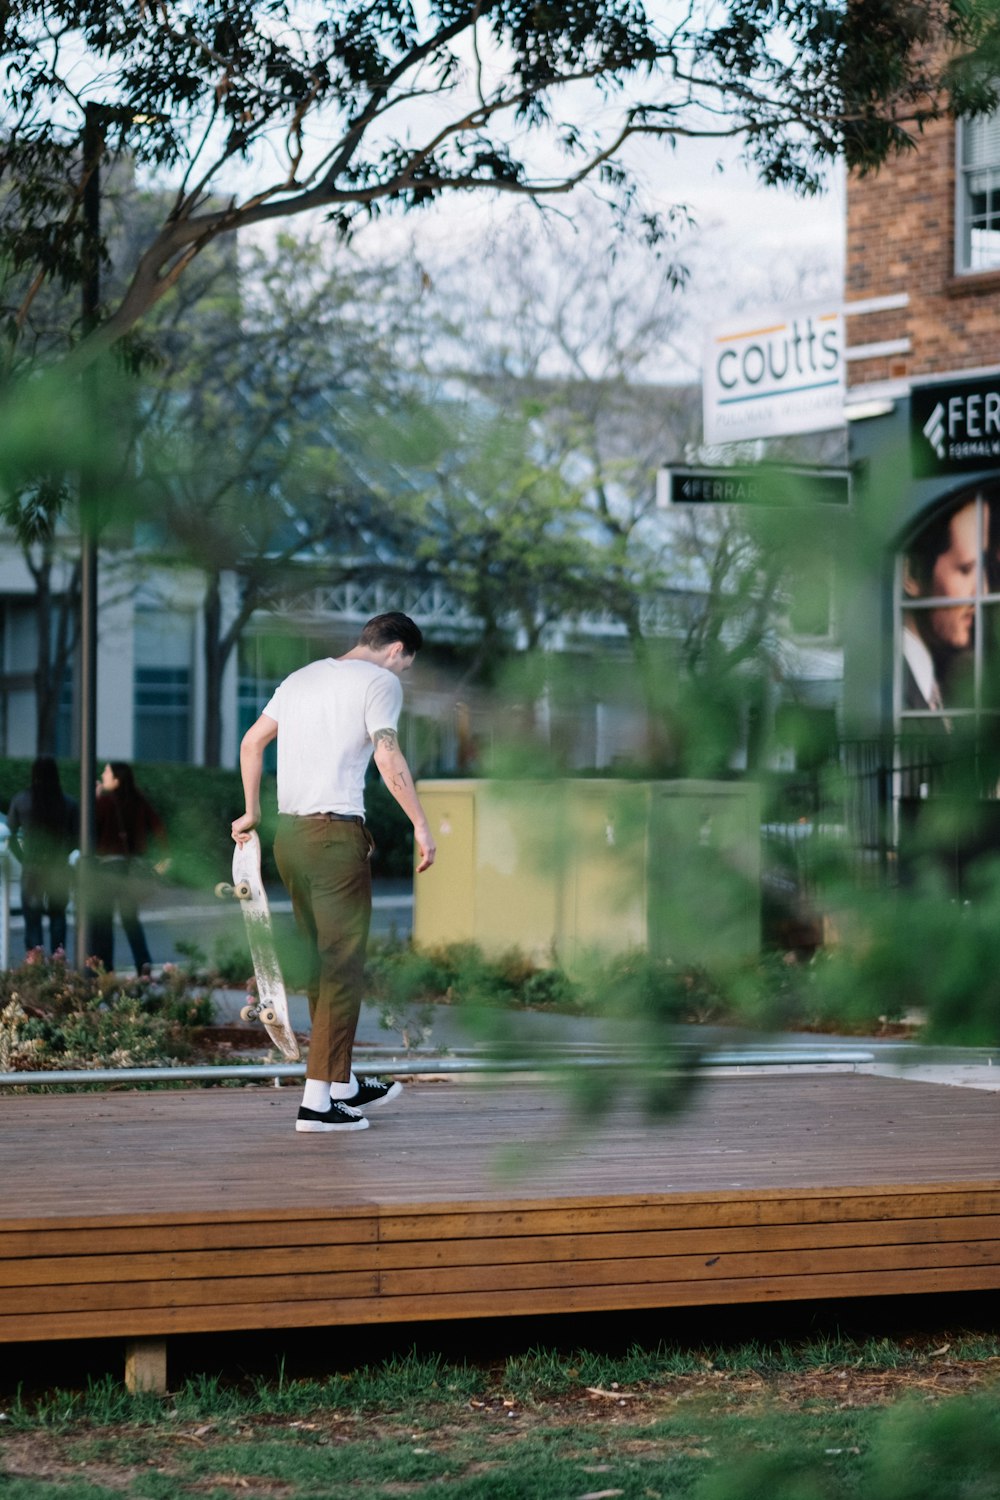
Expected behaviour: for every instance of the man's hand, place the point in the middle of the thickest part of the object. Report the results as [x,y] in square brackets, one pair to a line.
[395,773]
[243,826]
[252,747]
[426,845]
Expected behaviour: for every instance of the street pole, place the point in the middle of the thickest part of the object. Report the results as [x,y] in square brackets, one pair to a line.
[93,146]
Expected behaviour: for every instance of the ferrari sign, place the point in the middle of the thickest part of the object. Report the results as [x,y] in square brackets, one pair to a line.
[768,485]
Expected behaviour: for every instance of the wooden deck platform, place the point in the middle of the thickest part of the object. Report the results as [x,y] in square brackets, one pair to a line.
[139,1215]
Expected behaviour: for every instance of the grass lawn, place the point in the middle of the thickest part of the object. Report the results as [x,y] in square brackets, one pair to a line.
[914,1419]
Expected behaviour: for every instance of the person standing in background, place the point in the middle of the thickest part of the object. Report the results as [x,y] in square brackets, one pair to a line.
[44,830]
[126,826]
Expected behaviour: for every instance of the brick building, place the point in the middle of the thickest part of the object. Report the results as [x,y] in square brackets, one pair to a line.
[922,622]
[926,231]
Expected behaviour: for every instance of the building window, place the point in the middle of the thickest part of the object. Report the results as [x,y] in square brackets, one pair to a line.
[978,186]
[948,598]
[67,739]
[163,653]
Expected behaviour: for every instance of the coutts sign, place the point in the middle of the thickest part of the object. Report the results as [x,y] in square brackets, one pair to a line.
[955,427]
[774,375]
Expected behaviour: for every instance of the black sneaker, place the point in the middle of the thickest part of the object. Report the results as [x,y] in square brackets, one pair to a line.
[339,1116]
[373,1091]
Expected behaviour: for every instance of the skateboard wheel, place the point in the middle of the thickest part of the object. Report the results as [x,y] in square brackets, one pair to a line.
[223,888]
[243,890]
[268,1017]
[249,1013]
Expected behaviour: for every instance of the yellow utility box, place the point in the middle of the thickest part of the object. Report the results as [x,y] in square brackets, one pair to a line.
[565,868]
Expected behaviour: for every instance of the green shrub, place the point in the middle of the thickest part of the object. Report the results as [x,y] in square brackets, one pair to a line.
[400,975]
[951,1450]
[55,1017]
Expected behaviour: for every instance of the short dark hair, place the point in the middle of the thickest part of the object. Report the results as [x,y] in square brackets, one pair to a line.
[384,630]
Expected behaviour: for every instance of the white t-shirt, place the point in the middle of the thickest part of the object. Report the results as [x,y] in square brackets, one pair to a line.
[327,714]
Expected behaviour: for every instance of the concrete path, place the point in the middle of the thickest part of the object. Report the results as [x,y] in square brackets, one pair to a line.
[744,1051]
[172,914]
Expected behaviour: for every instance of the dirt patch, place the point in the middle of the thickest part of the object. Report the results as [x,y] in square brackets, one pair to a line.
[54,1457]
[42,1456]
[833,1388]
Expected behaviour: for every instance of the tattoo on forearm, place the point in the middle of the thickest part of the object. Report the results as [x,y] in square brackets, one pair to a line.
[386,737]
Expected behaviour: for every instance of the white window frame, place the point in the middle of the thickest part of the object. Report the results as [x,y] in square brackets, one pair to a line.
[963,232]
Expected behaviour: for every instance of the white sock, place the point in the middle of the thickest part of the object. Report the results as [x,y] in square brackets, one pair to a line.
[343,1090]
[316,1095]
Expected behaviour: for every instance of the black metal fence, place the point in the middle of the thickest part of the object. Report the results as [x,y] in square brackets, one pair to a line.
[886,807]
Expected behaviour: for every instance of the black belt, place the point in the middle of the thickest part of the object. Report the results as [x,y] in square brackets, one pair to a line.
[332,818]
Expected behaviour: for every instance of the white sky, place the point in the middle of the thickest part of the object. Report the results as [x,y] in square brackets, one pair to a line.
[753,247]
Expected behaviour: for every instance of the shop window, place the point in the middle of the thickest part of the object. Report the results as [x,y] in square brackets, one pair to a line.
[978,188]
[948,619]
[67,741]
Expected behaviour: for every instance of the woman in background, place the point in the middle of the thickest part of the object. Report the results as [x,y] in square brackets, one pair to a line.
[44,830]
[126,825]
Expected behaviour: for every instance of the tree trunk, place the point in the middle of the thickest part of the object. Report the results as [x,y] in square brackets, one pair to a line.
[219,646]
[45,708]
[55,616]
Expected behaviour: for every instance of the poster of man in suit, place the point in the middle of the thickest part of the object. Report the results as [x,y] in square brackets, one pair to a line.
[944,575]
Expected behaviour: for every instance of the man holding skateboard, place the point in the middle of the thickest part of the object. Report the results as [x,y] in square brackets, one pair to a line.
[330,718]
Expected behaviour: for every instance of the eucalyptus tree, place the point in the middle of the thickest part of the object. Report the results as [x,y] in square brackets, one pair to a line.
[258,113]
[257,439]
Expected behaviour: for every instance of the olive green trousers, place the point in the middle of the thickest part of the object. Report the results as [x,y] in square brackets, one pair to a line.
[325,865]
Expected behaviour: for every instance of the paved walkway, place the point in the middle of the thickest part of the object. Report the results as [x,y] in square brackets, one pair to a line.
[172,914]
[747,1053]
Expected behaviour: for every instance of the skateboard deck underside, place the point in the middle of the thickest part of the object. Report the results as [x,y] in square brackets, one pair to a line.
[267,970]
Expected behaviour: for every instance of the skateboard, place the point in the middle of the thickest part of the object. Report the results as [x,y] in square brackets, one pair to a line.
[271,1005]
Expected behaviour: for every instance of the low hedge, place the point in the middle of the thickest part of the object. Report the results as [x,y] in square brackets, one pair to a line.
[198,803]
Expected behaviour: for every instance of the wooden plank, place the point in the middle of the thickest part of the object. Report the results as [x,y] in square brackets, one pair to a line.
[114,1233]
[618,1297]
[692,1207]
[502,1303]
[539,1215]
[112,1295]
[473,1221]
[56,1222]
[710,1241]
[428,1281]
[232,1234]
[168,1267]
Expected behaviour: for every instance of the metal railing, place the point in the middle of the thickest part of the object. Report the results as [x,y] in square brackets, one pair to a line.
[542,1060]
